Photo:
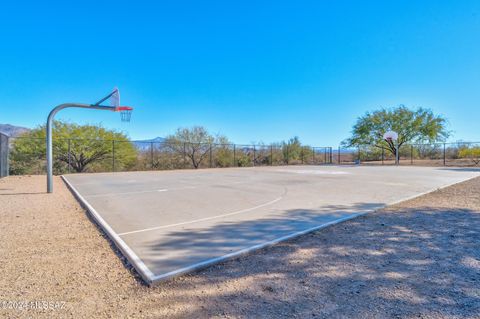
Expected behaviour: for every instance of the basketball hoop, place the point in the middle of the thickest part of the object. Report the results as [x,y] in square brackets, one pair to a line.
[114,96]
[390,136]
[125,113]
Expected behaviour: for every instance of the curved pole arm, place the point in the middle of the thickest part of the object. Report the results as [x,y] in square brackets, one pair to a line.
[49,134]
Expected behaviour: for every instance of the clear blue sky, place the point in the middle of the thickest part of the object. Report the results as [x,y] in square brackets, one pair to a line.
[252,70]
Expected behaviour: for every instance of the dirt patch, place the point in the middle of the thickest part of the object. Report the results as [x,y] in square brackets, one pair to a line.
[420,258]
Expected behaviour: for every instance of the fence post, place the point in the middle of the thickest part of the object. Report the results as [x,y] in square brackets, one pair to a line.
[4,155]
[271,155]
[254,154]
[359,154]
[210,155]
[325,151]
[287,155]
[301,155]
[69,151]
[331,155]
[444,156]
[234,158]
[184,155]
[383,154]
[151,155]
[113,155]
[411,154]
[339,161]
[313,155]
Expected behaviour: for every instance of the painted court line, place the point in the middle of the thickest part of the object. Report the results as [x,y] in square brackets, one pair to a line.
[158,278]
[203,264]
[160,190]
[152,274]
[203,219]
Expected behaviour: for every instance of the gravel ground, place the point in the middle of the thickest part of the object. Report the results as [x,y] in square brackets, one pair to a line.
[417,259]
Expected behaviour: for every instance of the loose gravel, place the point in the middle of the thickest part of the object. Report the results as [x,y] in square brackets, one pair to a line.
[417,259]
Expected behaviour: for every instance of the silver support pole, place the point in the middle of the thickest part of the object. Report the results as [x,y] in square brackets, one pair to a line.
[49,134]
[397,159]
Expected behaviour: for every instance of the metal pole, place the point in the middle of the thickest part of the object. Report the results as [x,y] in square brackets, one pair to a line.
[254,151]
[234,158]
[339,162]
[325,150]
[211,156]
[411,154]
[69,150]
[151,155]
[313,155]
[397,159]
[287,154]
[7,157]
[383,154]
[331,155]
[271,155]
[184,155]
[444,156]
[113,155]
[49,150]
[4,155]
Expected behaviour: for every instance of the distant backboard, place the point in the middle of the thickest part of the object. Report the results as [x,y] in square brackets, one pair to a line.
[390,136]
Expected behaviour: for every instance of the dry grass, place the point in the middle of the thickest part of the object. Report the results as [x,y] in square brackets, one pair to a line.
[420,258]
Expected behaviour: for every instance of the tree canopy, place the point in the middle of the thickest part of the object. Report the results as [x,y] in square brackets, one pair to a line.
[413,126]
[470,152]
[76,147]
[194,143]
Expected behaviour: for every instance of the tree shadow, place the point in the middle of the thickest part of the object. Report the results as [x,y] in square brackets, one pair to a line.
[419,262]
[200,244]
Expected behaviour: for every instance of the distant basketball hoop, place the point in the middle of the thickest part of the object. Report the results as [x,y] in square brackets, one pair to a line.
[392,137]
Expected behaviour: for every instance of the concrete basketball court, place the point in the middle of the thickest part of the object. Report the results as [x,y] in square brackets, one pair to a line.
[172,222]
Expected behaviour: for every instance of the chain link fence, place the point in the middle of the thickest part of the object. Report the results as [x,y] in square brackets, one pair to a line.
[435,154]
[22,155]
[27,155]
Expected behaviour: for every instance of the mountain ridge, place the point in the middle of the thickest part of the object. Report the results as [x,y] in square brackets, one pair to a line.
[13,130]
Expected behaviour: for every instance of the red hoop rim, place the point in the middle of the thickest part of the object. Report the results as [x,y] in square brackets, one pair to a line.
[123,108]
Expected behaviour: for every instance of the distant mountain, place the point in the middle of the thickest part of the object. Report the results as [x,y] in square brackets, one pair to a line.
[157,139]
[145,144]
[12,130]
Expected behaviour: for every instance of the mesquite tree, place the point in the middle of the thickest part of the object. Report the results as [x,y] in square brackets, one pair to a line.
[78,147]
[194,143]
[413,126]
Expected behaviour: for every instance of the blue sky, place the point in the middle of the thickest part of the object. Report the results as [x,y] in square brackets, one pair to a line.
[252,70]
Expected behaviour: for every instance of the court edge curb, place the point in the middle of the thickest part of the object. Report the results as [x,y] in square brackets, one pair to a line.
[152,279]
[133,259]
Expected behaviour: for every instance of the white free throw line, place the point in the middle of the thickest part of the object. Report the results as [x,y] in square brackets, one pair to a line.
[203,219]
[158,190]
